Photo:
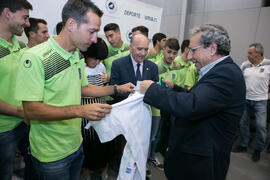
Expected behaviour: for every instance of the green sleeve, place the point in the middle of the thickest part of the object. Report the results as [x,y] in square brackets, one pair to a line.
[84,77]
[191,76]
[155,111]
[30,78]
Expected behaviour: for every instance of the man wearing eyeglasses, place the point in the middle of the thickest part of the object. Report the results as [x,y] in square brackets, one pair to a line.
[207,116]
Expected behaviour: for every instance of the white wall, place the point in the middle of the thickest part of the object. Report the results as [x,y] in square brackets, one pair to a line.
[245,26]
[199,6]
[239,24]
[245,21]
[263,31]
[49,10]
[170,23]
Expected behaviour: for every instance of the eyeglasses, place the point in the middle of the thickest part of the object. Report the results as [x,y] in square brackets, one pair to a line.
[192,50]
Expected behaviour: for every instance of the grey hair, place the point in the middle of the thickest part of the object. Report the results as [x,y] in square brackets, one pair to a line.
[214,33]
[258,47]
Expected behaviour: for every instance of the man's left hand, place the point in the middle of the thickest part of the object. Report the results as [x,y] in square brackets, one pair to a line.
[145,85]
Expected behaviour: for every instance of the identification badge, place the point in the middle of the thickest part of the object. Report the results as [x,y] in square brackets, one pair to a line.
[173,76]
[80,73]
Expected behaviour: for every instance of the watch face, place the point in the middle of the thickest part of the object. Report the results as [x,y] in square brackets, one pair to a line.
[115,89]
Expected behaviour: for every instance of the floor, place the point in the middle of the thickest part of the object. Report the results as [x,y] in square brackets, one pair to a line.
[241,168]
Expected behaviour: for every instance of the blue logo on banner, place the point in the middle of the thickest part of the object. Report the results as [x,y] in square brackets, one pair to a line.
[111,6]
[129,35]
[150,18]
[132,14]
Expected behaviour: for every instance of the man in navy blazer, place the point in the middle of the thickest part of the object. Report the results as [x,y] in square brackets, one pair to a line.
[207,116]
[125,69]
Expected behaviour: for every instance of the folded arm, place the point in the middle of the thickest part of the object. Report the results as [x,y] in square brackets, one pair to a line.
[10,110]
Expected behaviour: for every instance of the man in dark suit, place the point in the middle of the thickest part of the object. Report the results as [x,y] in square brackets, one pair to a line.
[126,69]
[207,116]
[131,68]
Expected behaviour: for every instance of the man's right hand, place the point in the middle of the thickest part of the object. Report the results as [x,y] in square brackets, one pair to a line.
[126,88]
[95,112]
[169,83]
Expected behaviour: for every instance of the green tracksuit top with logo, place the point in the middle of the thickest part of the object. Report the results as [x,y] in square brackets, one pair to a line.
[10,54]
[53,76]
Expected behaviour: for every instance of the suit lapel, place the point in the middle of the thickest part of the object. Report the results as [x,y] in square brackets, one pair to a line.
[146,69]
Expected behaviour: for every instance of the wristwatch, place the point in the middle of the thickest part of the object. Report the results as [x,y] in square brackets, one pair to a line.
[115,89]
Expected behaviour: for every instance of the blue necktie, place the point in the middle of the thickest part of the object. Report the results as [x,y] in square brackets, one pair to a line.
[138,73]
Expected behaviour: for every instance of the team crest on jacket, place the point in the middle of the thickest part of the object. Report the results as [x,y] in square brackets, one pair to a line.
[27,63]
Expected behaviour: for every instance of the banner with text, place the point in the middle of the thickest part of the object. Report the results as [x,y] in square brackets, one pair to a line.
[129,14]
[126,13]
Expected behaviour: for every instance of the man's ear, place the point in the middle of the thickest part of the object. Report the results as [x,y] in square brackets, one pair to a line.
[6,13]
[32,34]
[213,48]
[71,24]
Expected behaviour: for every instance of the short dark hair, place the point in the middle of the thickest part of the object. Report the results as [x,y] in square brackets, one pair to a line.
[59,27]
[77,9]
[15,5]
[172,43]
[33,25]
[144,30]
[97,50]
[157,37]
[111,27]
[185,44]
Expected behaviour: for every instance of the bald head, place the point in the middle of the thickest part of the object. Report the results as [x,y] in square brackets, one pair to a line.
[138,37]
[139,47]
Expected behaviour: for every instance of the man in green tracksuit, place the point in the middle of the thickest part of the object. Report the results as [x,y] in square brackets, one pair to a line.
[51,80]
[14,16]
